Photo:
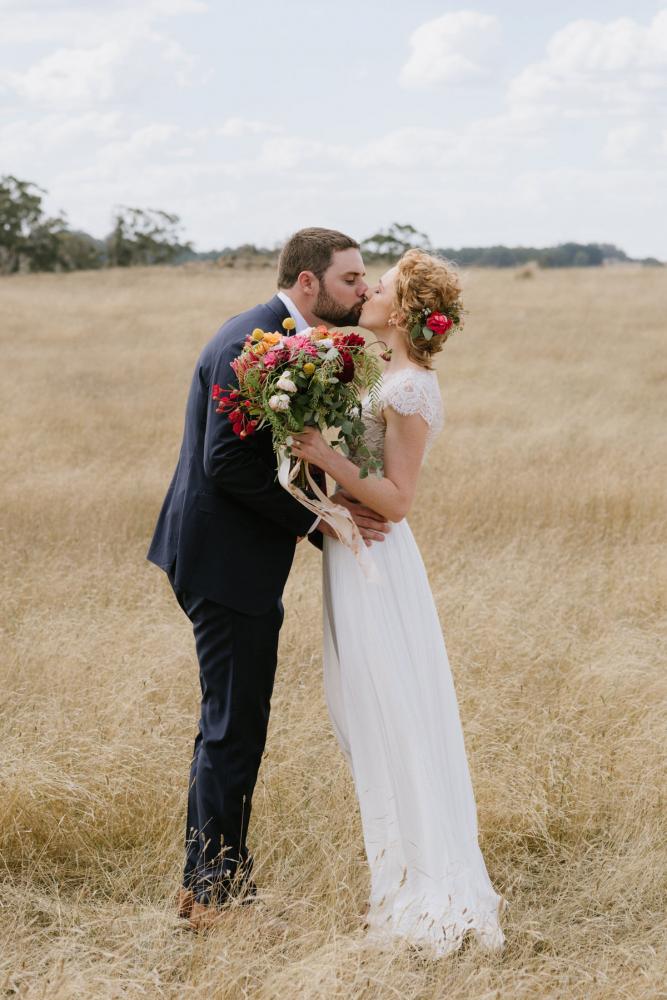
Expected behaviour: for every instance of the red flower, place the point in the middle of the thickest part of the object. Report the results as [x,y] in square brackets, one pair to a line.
[439,323]
[347,371]
[349,340]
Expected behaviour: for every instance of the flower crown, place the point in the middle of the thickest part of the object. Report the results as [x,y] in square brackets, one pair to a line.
[429,323]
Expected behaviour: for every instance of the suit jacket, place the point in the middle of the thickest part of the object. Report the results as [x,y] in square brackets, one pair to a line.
[227,529]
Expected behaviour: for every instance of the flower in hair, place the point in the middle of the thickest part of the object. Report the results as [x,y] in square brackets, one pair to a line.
[429,323]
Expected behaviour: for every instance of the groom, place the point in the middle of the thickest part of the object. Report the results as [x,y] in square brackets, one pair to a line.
[226,536]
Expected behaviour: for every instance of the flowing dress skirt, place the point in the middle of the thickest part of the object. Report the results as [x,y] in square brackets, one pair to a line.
[393,706]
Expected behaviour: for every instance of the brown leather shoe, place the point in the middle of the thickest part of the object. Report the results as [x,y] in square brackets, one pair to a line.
[184,902]
[204,916]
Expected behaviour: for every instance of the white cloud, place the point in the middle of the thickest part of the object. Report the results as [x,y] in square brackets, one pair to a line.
[70,76]
[236,128]
[454,48]
[287,152]
[623,141]
[90,23]
[58,134]
[425,150]
[618,67]
[116,53]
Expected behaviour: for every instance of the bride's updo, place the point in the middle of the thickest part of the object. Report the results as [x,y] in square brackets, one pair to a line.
[426,285]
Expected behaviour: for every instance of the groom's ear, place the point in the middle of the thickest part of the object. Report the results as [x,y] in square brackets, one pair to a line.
[308,283]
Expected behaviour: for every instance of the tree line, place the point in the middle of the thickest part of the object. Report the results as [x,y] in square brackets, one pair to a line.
[30,240]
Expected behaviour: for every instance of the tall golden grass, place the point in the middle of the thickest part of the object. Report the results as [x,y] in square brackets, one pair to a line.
[541,517]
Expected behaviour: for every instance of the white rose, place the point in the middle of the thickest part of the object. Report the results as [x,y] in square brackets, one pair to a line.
[280,402]
[326,343]
[285,383]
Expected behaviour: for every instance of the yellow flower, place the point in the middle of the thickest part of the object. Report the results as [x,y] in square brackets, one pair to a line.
[272,338]
[257,334]
[308,368]
[289,324]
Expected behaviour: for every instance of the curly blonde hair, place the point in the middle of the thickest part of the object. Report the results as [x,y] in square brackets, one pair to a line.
[424,281]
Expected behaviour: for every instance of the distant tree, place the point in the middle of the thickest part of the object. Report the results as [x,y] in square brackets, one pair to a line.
[80,252]
[572,255]
[28,238]
[394,241]
[496,256]
[611,252]
[144,236]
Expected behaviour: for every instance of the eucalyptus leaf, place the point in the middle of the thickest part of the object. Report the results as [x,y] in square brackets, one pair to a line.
[426,333]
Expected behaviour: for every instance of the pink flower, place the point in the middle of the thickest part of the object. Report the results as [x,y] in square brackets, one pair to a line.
[275,357]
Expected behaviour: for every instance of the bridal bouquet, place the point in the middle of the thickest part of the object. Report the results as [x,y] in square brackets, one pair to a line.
[312,379]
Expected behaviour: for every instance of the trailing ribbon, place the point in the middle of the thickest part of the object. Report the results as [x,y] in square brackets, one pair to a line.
[334,514]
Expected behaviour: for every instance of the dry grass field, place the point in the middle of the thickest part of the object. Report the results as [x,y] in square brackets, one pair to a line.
[541,516]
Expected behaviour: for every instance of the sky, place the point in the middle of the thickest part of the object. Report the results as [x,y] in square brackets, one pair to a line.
[517,122]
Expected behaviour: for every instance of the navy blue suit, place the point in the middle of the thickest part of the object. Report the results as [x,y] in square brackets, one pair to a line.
[226,536]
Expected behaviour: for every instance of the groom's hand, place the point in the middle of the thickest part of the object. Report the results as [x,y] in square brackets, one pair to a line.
[372,526]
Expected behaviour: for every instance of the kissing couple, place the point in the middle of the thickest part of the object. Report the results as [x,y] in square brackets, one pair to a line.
[226,537]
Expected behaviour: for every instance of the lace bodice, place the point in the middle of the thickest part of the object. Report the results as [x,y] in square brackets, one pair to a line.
[407,391]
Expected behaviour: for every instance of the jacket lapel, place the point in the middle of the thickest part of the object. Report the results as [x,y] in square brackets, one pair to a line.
[279,309]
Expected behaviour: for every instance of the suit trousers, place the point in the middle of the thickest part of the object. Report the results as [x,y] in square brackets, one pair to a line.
[237,656]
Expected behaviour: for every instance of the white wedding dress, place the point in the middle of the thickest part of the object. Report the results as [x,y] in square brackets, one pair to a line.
[394,710]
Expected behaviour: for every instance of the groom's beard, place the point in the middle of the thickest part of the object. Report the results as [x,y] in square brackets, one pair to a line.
[327,308]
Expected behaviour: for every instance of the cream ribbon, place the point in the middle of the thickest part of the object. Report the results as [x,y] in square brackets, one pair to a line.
[334,514]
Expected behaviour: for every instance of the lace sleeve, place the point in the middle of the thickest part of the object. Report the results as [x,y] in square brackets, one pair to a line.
[414,392]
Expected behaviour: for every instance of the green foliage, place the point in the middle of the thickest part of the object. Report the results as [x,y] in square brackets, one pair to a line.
[80,252]
[394,241]
[144,236]
[563,255]
[29,239]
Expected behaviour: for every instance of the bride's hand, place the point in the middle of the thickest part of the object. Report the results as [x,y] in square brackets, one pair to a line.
[311,447]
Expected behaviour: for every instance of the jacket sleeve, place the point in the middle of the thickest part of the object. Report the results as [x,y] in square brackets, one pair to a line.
[235,466]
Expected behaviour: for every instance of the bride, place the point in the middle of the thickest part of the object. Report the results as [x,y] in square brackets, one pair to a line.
[387,677]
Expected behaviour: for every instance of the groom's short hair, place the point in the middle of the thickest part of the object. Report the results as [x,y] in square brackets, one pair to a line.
[310,250]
